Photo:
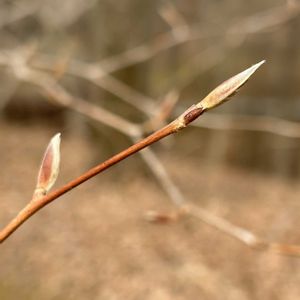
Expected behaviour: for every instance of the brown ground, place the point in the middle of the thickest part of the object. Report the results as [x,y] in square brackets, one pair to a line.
[94,244]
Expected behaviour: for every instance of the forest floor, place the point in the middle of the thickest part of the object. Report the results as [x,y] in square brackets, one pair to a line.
[94,243]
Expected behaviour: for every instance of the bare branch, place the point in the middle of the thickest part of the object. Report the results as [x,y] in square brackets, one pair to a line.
[34,206]
[184,207]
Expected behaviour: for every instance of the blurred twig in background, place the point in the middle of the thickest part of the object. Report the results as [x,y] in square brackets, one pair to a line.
[266,124]
[98,72]
[18,12]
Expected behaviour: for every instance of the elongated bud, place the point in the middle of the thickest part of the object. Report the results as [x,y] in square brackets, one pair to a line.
[227,88]
[219,95]
[49,168]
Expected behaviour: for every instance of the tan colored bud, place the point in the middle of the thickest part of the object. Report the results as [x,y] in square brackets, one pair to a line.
[49,168]
[227,88]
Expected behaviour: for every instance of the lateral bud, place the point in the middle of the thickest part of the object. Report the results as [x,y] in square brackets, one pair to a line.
[49,169]
[192,114]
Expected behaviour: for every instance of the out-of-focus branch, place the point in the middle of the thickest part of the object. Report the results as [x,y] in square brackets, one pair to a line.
[98,73]
[164,111]
[266,20]
[95,75]
[126,93]
[19,12]
[272,125]
[60,96]
[169,12]
[266,124]
[199,64]
[233,37]
[150,49]
[243,235]
[253,24]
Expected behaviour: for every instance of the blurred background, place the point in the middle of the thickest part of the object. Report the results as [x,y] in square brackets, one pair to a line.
[105,74]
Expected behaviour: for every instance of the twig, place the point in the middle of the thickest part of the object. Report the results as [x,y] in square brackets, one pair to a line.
[96,76]
[216,97]
[35,206]
[133,131]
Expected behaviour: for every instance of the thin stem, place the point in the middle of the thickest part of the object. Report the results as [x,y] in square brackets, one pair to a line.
[214,98]
[35,206]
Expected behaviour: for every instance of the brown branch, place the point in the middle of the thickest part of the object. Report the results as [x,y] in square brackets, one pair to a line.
[217,96]
[241,234]
[62,97]
[35,206]
[135,132]
[184,207]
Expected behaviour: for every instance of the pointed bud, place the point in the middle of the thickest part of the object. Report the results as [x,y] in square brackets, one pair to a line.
[219,95]
[227,88]
[49,168]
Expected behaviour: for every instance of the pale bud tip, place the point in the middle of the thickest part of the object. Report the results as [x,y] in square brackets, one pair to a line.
[57,137]
[256,66]
[228,88]
[49,167]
